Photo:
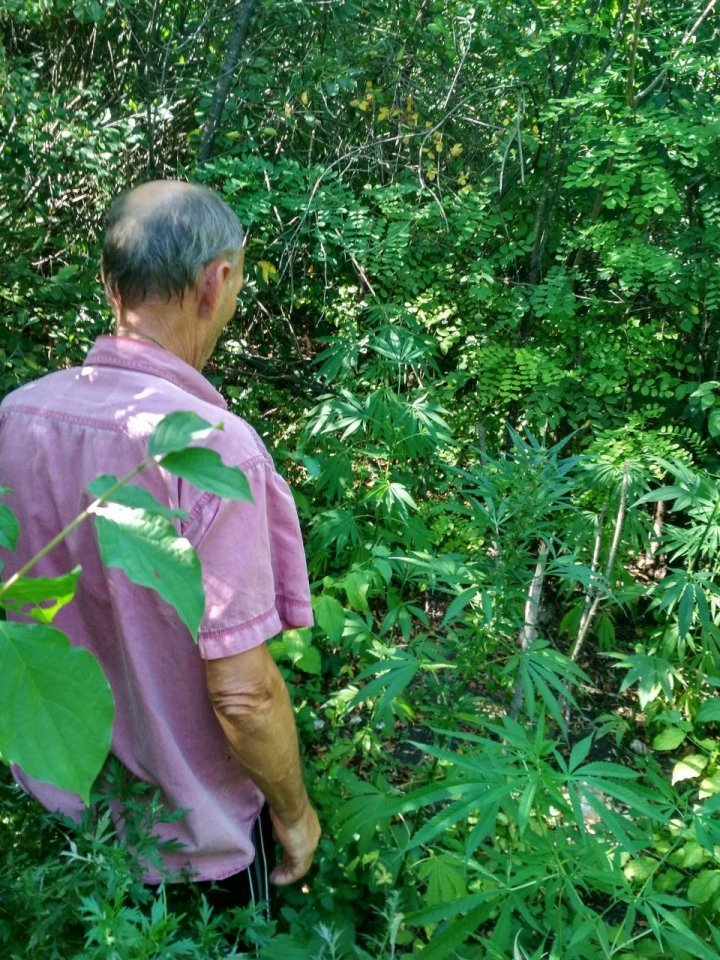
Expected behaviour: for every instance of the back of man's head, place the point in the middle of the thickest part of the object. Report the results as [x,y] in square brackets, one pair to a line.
[160,235]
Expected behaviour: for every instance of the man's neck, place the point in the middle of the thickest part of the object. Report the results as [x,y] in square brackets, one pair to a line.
[170,328]
[137,335]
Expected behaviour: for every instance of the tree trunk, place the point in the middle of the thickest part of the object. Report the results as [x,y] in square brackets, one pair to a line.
[245,10]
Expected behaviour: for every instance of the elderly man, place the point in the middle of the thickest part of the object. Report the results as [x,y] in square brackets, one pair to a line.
[211,726]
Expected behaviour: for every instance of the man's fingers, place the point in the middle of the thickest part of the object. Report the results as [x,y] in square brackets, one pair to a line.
[286,873]
[299,843]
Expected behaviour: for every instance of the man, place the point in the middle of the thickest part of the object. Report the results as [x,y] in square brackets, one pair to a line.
[210,725]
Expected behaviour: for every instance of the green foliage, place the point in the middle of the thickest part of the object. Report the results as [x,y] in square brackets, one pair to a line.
[469,217]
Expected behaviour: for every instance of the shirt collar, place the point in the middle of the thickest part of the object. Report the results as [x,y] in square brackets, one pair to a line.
[143,356]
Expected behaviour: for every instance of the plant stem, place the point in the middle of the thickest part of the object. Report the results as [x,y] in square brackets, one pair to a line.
[529,628]
[589,613]
[66,531]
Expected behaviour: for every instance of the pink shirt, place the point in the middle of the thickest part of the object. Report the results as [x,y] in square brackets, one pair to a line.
[59,433]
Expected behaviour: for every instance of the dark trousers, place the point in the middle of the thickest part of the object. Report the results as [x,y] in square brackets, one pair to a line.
[250,886]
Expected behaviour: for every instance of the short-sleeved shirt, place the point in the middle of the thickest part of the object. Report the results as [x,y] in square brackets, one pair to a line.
[59,433]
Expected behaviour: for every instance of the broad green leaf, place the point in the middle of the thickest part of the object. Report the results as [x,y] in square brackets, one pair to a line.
[131,495]
[33,591]
[9,529]
[57,708]
[295,643]
[456,607]
[714,423]
[356,584]
[205,470]
[330,617]
[689,767]
[709,711]
[149,551]
[177,431]
[310,662]
[669,739]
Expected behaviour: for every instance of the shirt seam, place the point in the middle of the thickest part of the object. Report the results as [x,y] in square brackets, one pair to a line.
[66,417]
[107,360]
[292,600]
[227,631]
[100,359]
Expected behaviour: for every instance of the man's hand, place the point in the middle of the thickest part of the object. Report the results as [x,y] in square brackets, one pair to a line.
[299,841]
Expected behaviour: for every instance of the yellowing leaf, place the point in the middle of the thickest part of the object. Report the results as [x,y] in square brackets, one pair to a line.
[304,98]
[456,149]
[431,173]
[689,767]
[288,110]
[383,113]
[709,786]
[267,270]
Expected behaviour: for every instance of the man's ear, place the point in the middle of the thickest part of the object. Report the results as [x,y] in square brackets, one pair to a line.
[113,298]
[212,280]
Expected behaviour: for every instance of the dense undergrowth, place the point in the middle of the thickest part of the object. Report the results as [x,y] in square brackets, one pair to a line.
[479,332]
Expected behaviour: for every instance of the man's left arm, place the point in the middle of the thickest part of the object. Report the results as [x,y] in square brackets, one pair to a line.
[252,704]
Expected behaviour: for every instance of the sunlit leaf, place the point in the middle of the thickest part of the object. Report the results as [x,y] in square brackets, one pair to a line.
[205,469]
[148,550]
[178,430]
[41,597]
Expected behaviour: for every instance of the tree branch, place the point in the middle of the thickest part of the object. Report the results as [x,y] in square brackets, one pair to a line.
[245,10]
[685,40]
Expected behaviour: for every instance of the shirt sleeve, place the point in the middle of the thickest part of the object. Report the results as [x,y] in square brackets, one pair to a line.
[253,564]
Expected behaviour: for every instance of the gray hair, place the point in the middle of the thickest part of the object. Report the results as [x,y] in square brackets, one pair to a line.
[158,249]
